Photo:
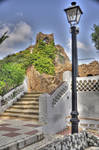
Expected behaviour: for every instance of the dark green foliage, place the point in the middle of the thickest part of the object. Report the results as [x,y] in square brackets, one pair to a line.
[95,36]
[11,76]
[4,36]
[13,67]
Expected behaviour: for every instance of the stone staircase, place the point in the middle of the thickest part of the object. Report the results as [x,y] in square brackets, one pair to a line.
[27,107]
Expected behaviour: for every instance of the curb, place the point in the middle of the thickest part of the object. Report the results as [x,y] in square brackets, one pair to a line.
[22,143]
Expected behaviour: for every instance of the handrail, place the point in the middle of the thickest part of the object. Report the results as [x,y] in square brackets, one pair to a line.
[11,97]
[56,88]
[13,93]
[59,92]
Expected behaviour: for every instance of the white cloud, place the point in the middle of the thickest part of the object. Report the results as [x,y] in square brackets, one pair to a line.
[18,38]
[86,53]
[80,45]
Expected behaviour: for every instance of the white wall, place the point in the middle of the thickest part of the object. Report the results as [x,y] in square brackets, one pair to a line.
[88,101]
[53,115]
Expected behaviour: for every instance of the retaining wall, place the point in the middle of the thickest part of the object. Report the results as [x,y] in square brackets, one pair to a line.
[79,141]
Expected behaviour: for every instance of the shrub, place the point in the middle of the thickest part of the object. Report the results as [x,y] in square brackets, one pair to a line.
[11,75]
[43,57]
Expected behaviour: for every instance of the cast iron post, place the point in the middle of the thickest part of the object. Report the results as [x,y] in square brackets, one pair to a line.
[74,120]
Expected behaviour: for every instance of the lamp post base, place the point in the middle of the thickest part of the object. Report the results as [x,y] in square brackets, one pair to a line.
[75,121]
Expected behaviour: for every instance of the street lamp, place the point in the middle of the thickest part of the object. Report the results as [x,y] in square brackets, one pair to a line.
[73,15]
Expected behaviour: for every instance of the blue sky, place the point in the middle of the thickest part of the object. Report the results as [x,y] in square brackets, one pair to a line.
[23,19]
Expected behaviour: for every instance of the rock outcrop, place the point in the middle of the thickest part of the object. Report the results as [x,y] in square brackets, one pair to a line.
[91,69]
[48,38]
[62,62]
[41,82]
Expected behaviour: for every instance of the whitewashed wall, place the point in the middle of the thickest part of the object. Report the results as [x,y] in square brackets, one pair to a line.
[53,110]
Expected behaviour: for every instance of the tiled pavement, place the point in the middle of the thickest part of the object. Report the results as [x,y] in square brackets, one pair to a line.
[12,131]
[18,134]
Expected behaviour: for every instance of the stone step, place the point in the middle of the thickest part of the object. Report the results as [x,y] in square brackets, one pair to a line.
[24,142]
[30,96]
[24,111]
[33,93]
[18,115]
[28,99]
[40,145]
[26,103]
[25,107]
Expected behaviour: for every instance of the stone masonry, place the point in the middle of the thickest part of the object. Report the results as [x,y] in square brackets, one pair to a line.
[79,141]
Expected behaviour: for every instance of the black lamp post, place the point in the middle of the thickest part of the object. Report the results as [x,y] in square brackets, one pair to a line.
[73,15]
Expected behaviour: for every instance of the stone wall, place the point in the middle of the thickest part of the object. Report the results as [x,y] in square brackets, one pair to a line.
[78,141]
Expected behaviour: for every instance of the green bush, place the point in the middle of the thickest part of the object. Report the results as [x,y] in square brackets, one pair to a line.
[44,65]
[43,57]
[2,87]
[11,76]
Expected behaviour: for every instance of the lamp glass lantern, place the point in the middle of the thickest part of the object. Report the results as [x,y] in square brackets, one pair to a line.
[73,14]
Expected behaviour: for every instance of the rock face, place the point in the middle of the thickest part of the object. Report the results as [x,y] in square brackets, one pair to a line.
[41,82]
[62,62]
[61,57]
[91,69]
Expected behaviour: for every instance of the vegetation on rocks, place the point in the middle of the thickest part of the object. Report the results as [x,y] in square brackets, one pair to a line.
[43,57]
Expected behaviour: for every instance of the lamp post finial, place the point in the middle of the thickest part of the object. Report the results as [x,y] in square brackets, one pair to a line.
[73,3]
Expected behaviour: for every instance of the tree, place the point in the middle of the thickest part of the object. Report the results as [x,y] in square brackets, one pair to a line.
[3,37]
[95,36]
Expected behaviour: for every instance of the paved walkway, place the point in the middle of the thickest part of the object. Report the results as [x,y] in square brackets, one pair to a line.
[17,134]
[14,131]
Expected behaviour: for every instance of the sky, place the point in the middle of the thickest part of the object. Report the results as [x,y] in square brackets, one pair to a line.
[23,19]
